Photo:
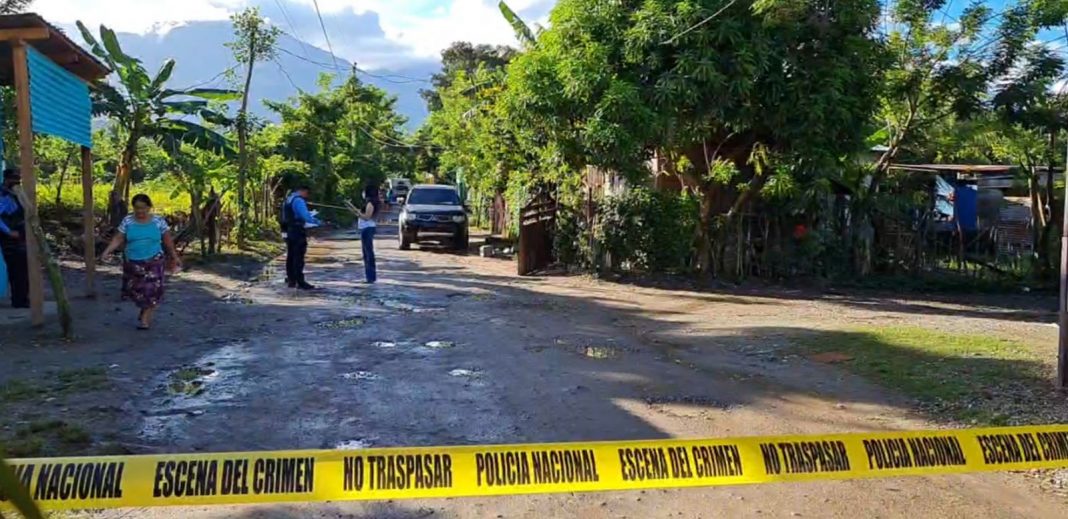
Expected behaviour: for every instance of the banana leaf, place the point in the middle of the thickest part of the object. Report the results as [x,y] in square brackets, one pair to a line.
[522,30]
[16,493]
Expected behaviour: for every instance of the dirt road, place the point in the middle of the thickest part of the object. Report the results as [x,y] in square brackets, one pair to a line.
[451,350]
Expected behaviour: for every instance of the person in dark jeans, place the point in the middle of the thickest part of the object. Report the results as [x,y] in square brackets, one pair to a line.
[295,217]
[368,227]
[13,240]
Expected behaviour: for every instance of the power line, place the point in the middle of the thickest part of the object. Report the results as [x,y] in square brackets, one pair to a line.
[292,27]
[325,35]
[385,77]
[213,79]
[699,24]
[286,74]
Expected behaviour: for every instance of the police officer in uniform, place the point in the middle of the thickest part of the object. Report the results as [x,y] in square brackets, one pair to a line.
[13,239]
[295,216]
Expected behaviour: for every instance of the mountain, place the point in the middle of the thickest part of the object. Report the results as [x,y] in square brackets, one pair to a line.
[201,59]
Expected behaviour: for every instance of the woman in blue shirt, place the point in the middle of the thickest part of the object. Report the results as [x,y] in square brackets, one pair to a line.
[145,237]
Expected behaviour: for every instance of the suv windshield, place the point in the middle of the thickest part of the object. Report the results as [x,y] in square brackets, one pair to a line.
[434,197]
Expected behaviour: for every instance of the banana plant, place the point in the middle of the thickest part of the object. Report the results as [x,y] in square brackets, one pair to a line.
[523,33]
[144,107]
[15,493]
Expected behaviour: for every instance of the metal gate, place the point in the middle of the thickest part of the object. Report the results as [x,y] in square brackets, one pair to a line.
[537,221]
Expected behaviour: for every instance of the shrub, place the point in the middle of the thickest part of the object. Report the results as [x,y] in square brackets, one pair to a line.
[648,230]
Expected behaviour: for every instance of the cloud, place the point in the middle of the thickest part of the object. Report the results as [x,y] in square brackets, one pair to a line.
[136,16]
[374,33]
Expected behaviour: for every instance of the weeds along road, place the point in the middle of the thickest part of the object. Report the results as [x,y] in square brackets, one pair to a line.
[454,350]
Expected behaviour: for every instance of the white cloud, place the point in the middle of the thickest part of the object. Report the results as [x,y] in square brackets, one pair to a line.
[428,26]
[424,26]
[137,16]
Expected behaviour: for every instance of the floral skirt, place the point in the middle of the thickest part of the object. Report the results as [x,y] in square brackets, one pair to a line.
[142,282]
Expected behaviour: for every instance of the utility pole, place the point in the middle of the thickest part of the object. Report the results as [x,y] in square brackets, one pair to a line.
[1062,318]
[1062,356]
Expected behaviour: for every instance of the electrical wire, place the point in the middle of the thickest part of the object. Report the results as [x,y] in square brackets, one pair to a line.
[403,80]
[213,79]
[292,27]
[286,74]
[699,24]
[322,24]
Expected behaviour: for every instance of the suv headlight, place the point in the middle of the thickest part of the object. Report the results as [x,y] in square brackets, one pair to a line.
[459,218]
[408,217]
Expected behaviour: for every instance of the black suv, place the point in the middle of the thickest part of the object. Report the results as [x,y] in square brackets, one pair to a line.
[433,213]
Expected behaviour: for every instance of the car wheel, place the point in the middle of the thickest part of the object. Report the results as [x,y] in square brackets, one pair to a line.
[405,241]
[461,242]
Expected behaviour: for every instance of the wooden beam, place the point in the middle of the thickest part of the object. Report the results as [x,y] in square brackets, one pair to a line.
[29,176]
[88,222]
[25,34]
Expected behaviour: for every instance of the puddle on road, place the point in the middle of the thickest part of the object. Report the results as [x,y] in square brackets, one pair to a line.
[342,324]
[360,375]
[189,381]
[234,298]
[408,308]
[465,373]
[353,445]
[601,352]
[189,392]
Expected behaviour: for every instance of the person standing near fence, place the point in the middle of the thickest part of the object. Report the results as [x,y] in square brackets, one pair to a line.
[296,218]
[368,228]
[13,240]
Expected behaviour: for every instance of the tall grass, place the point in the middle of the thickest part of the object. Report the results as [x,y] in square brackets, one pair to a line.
[163,196]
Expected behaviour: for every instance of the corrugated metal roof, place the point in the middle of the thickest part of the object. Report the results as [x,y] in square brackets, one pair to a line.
[955,168]
[58,47]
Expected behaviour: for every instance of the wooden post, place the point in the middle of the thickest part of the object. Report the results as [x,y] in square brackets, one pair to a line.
[88,222]
[29,176]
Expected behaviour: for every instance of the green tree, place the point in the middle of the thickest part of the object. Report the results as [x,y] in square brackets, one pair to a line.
[613,84]
[14,6]
[255,41]
[349,136]
[143,107]
[464,57]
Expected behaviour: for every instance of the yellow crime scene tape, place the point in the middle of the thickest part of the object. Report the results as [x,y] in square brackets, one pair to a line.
[435,472]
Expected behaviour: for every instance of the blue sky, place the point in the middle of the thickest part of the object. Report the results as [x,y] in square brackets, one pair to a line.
[374,33]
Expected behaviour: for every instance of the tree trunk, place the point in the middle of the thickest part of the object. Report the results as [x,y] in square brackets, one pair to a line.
[703,263]
[121,189]
[242,147]
[55,275]
[63,177]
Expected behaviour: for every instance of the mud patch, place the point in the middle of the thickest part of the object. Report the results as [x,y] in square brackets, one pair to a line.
[342,324]
[700,401]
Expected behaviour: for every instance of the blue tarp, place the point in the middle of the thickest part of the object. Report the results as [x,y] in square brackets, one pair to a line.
[967,208]
[59,101]
[943,197]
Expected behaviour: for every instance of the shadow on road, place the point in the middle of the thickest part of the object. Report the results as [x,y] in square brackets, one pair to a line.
[558,364]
